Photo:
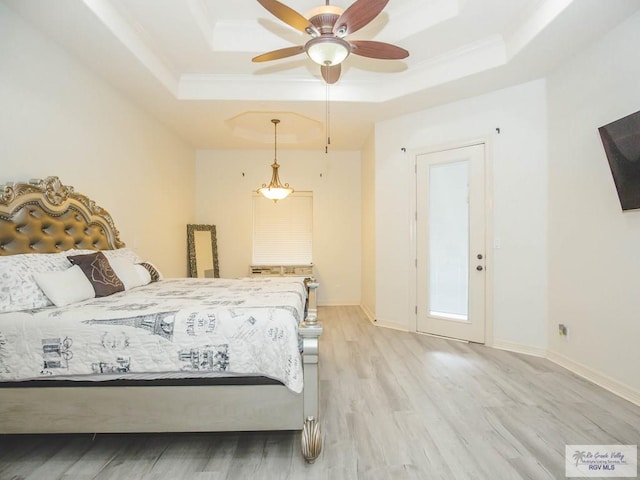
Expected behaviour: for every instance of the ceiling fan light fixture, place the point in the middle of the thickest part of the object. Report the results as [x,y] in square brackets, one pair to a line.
[328,51]
[327,25]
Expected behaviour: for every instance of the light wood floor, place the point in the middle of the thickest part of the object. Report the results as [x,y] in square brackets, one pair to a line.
[394,405]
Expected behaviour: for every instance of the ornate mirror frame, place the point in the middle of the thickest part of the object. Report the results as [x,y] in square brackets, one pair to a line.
[193,247]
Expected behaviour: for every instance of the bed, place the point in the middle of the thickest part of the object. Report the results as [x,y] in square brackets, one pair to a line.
[156,354]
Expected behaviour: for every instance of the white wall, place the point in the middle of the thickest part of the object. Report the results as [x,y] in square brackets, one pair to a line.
[519,161]
[594,262]
[58,118]
[368,300]
[225,180]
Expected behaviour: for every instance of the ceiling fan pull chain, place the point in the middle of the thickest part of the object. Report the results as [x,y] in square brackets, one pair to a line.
[327,121]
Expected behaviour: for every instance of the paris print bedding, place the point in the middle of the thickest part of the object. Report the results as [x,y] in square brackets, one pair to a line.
[197,327]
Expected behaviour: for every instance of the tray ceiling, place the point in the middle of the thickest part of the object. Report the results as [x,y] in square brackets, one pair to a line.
[189,62]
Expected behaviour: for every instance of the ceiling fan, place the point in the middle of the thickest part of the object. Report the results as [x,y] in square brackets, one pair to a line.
[328,25]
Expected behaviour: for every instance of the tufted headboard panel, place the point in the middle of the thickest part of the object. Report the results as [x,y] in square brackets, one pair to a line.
[45,216]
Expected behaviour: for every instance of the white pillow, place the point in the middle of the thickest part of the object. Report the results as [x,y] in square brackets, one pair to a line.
[65,287]
[123,253]
[144,274]
[18,288]
[76,251]
[130,274]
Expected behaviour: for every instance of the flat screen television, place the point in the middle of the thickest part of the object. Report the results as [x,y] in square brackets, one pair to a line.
[621,141]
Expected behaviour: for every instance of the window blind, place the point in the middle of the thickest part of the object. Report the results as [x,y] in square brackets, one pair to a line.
[283,231]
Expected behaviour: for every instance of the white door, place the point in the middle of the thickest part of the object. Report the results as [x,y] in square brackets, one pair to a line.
[451,243]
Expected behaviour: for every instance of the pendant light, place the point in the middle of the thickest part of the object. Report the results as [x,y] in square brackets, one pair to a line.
[275,190]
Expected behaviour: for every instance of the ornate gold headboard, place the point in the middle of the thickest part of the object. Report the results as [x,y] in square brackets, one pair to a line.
[45,216]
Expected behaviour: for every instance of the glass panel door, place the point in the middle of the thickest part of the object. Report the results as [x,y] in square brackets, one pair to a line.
[450,231]
[449,240]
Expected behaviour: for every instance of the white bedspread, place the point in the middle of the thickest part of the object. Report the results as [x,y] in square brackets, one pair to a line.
[195,326]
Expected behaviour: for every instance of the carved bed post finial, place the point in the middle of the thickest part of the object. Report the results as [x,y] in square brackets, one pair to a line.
[310,331]
[54,190]
[312,311]
[311,440]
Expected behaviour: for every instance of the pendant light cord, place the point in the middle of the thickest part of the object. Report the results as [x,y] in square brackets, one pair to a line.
[275,122]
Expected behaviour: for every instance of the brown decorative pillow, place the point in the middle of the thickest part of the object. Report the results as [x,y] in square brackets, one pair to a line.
[99,272]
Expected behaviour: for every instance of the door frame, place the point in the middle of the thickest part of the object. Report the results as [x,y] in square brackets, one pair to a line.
[412,158]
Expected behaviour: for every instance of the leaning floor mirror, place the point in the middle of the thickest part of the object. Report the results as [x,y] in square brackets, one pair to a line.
[202,251]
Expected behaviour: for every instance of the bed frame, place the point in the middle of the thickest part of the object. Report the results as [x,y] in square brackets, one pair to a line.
[45,216]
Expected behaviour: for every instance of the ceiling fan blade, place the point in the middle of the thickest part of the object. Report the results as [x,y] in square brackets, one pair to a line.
[357,16]
[288,16]
[384,51]
[278,54]
[331,74]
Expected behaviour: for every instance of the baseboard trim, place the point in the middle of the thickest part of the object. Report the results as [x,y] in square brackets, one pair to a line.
[596,377]
[368,313]
[519,348]
[392,325]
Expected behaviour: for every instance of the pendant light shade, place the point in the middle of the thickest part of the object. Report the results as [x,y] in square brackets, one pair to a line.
[275,190]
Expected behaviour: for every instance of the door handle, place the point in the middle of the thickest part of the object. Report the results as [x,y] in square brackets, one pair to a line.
[479,268]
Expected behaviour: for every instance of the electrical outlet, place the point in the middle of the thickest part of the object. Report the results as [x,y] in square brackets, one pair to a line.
[562,329]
